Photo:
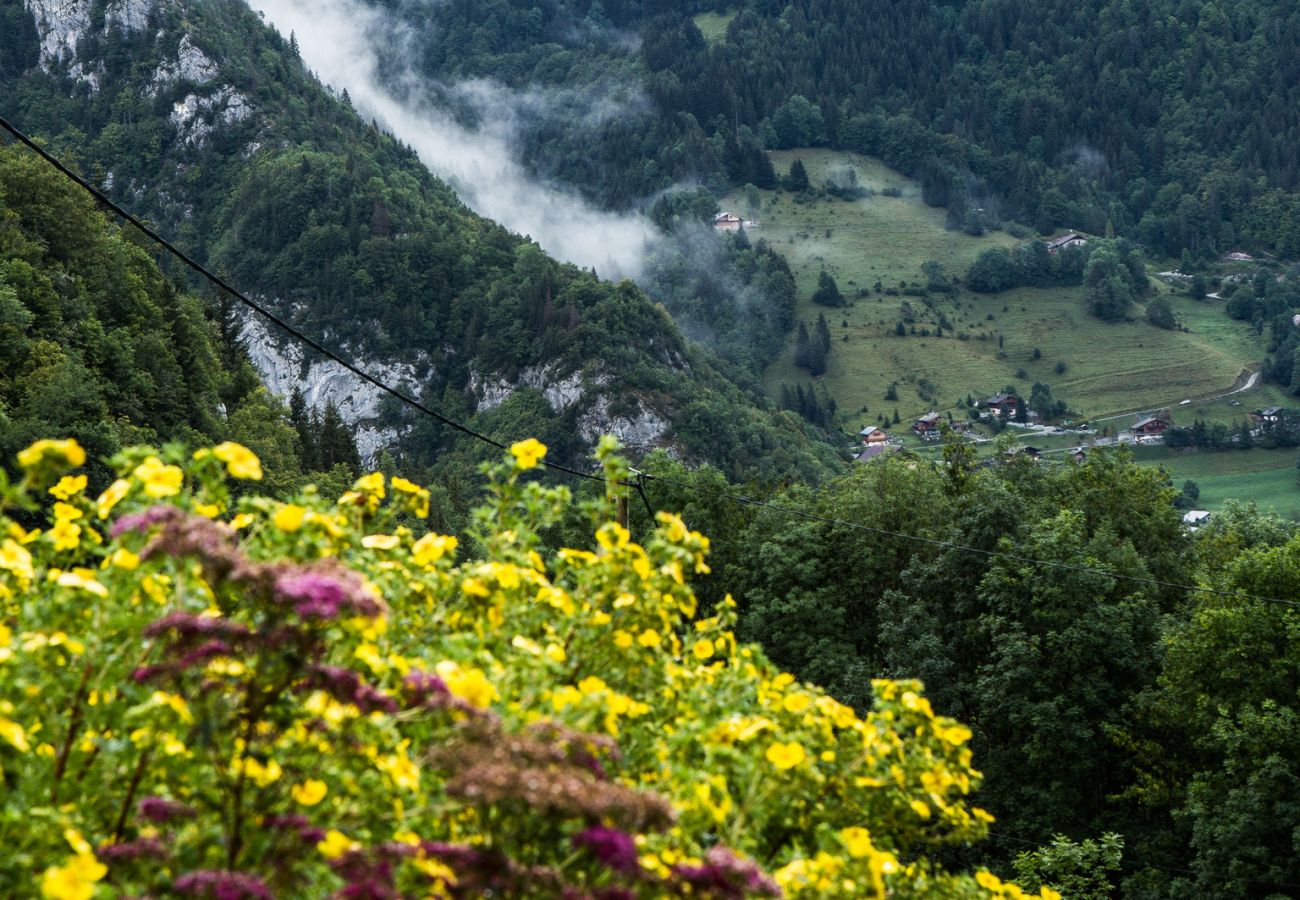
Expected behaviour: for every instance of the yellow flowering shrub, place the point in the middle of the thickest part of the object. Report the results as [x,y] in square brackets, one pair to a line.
[208,697]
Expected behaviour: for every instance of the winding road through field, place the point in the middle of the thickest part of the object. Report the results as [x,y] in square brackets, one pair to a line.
[1252,379]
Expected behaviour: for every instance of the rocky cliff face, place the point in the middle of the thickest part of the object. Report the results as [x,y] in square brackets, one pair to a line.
[285,368]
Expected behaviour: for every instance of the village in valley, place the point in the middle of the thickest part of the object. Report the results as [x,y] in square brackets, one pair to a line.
[917,353]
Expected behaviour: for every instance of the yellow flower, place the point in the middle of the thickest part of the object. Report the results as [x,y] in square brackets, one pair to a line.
[67,452]
[417,498]
[159,480]
[175,703]
[921,808]
[336,843]
[470,685]
[111,497]
[240,461]
[13,734]
[527,453]
[381,541]
[475,588]
[65,534]
[65,512]
[289,517]
[310,792]
[83,580]
[649,638]
[74,880]
[785,756]
[592,684]
[261,775]
[399,768]
[703,648]
[857,841]
[622,640]
[69,486]
[796,703]
[372,484]
[432,547]
[15,558]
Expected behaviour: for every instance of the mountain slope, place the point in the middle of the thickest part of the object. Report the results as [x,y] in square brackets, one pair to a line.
[200,117]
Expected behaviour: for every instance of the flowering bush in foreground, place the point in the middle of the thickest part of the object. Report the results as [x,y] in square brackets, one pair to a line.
[208,698]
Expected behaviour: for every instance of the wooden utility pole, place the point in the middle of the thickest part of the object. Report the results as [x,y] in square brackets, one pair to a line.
[620,508]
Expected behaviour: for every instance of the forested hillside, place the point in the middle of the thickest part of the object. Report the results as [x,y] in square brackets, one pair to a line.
[1172,121]
[97,343]
[204,119]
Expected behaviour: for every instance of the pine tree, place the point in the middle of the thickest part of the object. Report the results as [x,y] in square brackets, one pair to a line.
[797,180]
[828,292]
[301,421]
[802,347]
[336,442]
[823,332]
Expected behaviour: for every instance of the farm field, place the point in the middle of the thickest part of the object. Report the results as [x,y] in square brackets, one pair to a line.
[988,340]
[1265,477]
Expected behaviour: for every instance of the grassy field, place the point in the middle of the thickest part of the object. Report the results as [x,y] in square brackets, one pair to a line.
[990,340]
[1265,477]
[714,25]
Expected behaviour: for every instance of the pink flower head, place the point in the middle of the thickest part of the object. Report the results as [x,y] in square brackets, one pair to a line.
[219,885]
[725,875]
[160,809]
[614,848]
[346,686]
[317,594]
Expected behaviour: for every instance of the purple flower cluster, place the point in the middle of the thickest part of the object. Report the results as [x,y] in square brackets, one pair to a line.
[615,849]
[326,593]
[369,873]
[725,875]
[142,521]
[190,627]
[219,885]
[346,686]
[424,689]
[137,849]
[209,650]
[160,809]
[307,833]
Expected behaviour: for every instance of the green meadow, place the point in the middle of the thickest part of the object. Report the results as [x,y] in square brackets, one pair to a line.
[713,25]
[989,340]
[1265,477]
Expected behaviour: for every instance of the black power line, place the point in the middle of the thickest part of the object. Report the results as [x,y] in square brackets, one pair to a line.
[266,313]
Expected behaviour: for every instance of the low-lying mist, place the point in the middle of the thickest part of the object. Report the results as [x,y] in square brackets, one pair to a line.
[341,41]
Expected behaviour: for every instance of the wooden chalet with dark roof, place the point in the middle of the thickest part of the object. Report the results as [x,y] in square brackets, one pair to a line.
[927,426]
[1151,425]
[1065,241]
[1002,403]
[1267,417]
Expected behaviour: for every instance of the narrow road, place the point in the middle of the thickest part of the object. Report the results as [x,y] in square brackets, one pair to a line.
[1250,382]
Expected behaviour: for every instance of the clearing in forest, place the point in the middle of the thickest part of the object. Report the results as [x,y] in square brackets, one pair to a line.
[987,341]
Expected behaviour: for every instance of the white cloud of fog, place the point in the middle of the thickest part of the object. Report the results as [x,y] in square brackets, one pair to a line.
[340,40]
